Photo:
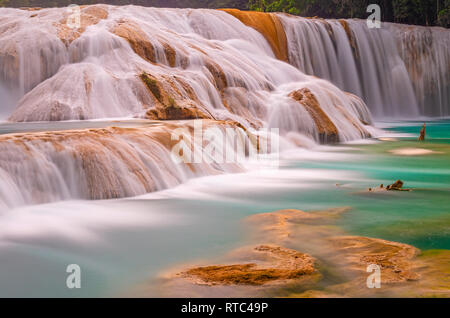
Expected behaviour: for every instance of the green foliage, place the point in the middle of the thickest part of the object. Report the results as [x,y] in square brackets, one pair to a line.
[288,6]
[425,12]
[172,102]
[443,18]
[152,85]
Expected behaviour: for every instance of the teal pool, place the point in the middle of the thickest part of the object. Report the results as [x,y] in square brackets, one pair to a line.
[122,243]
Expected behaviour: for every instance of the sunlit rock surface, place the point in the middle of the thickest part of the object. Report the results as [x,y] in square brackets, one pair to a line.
[274,264]
[269,25]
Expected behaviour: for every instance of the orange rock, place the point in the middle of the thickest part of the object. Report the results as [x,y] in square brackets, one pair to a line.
[142,46]
[30,8]
[175,113]
[396,260]
[137,39]
[90,15]
[170,102]
[325,127]
[351,37]
[218,74]
[170,54]
[269,26]
[280,264]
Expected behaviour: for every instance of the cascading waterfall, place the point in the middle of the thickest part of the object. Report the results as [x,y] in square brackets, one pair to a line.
[426,53]
[205,62]
[357,59]
[385,67]
[110,162]
[307,77]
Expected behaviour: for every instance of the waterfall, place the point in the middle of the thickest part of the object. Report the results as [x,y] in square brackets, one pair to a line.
[397,70]
[313,79]
[107,163]
[385,67]
[146,62]
[426,53]
[357,59]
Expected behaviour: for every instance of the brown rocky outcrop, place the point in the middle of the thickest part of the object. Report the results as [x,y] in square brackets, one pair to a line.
[174,112]
[269,26]
[142,46]
[331,264]
[396,260]
[351,38]
[30,8]
[89,15]
[217,73]
[279,264]
[137,39]
[169,102]
[325,127]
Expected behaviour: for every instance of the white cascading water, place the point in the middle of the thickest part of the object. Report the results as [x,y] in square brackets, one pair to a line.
[205,58]
[108,163]
[378,65]
[426,53]
[98,73]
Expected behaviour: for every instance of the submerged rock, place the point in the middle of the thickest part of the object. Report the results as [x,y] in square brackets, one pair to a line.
[394,259]
[276,264]
[413,152]
[331,264]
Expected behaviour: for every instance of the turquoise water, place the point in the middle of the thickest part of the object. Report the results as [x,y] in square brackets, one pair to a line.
[436,130]
[203,218]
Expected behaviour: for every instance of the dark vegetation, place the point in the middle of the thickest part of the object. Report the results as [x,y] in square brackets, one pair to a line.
[423,12]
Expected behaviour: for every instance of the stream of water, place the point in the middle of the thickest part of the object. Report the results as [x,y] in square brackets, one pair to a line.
[123,243]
